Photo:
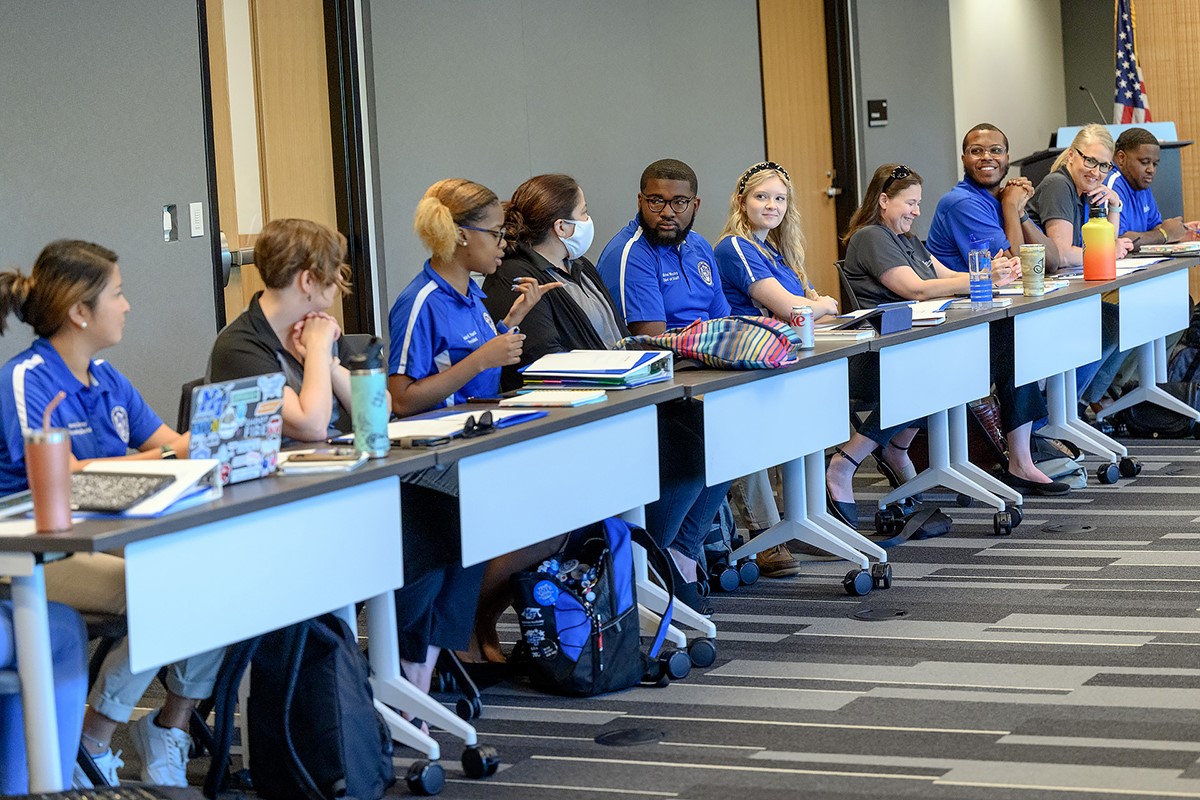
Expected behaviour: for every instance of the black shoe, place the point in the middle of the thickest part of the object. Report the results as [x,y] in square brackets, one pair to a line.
[846,513]
[1052,489]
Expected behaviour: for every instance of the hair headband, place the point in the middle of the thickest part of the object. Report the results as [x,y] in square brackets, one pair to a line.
[761,167]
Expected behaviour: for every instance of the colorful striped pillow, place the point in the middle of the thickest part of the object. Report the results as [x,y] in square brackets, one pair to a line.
[727,343]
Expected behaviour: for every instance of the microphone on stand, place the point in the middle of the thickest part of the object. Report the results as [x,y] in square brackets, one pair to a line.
[1099,113]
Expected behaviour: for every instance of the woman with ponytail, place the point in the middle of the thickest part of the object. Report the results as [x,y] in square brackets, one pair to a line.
[73,300]
[549,230]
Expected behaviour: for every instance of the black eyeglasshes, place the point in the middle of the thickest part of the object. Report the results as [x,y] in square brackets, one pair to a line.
[473,428]
[761,167]
[678,204]
[1105,167]
[499,233]
[899,173]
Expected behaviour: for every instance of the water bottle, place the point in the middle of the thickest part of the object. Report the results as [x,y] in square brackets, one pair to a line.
[368,400]
[1099,247]
[979,270]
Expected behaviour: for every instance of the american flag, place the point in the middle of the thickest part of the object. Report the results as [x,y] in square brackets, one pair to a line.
[1130,101]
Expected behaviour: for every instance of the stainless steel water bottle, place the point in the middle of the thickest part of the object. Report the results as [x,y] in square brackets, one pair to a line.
[368,400]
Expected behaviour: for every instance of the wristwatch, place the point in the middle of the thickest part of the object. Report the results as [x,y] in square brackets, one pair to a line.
[168,453]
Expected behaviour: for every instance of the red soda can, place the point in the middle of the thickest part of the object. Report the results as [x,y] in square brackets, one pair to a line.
[802,323]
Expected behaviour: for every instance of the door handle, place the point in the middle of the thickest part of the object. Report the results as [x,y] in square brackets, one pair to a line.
[832,191]
[233,258]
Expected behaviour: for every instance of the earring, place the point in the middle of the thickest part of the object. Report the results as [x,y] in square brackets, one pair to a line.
[83,324]
[462,243]
[309,298]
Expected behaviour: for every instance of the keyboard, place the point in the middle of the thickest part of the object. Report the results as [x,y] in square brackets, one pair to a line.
[113,492]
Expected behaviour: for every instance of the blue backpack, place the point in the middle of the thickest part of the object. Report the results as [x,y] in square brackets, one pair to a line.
[578,614]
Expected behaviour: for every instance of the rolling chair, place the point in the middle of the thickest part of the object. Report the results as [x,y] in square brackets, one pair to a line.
[849,299]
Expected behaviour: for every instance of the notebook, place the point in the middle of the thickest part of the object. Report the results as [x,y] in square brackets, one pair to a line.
[552,398]
[239,423]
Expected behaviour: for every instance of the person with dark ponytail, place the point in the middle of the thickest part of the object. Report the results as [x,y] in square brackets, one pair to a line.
[73,300]
[549,230]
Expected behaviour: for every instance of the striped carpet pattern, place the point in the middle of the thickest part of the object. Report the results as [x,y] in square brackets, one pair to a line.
[1060,662]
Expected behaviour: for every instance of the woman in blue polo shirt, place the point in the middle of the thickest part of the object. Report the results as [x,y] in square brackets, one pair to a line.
[445,349]
[74,302]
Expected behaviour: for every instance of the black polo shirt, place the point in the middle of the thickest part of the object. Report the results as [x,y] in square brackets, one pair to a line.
[248,346]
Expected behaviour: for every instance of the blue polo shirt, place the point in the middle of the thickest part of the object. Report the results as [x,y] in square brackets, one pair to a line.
[106,419]
[1139,210]
[432,327]
[966,210]
[675,283]
[741,264]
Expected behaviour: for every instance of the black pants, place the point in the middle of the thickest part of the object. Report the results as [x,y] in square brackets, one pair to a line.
[1018,404]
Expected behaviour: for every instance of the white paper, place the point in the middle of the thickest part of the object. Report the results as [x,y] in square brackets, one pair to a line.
[613,362]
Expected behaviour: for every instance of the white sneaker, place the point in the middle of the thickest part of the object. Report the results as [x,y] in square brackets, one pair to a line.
[164,752]
[107,762]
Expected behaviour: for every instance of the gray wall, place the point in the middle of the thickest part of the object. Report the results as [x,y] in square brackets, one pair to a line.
[1088,48]
[903,56]
[500,91]
[101,127]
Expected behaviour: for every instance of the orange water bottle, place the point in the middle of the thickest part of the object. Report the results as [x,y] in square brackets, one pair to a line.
[1099,247]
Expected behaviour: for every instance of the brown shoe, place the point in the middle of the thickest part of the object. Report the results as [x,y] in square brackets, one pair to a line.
[777,562]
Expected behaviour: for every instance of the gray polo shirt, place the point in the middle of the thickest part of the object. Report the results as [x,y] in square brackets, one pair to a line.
[1057,198]
[874,250]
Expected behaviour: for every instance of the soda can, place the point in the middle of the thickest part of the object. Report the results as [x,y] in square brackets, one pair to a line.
[802,324]
[1033,270]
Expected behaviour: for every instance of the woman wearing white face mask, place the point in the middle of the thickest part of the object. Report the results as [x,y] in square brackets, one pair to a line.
[548,231]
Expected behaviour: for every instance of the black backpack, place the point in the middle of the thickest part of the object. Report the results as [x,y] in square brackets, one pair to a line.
[314,730]
[1150,421]
[578,613]
[1183,364]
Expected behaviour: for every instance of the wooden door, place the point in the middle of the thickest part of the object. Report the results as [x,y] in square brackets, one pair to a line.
[796,107]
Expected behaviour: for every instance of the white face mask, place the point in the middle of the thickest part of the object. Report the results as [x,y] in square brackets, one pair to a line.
[578,242]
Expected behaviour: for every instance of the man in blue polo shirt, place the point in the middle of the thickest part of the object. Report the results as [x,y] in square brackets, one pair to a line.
[1137,157]
[983,206]
[661,274]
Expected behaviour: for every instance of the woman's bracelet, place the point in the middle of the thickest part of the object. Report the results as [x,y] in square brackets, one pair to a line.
[1164,233]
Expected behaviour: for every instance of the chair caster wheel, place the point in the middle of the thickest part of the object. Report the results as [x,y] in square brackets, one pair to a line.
[1108,473]
[1002,523]
[725,578]
[480,761]
[1018,516]
[889,520]
[858,582]
[964,500]
[748,572]
[425,778]
[677,665]
[469,709]
[446,683]
[1130,467]
[881,576]
[906,505]
[702,653]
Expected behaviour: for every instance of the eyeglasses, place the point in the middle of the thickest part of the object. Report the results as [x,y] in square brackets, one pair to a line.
[1105,167]
[899,173]
[994,150]
[473,428]
[499,233]
[656,203]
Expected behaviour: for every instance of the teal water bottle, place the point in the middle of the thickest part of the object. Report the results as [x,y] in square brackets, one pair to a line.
[368,400]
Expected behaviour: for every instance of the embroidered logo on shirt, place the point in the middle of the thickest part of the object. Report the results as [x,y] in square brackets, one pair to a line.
[670,277]
[705,272]
[488,319]
[120,421]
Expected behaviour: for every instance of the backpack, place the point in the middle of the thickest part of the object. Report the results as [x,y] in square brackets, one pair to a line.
[1183,364]
[1151,421]
[314,730]
[727,343]
[578,613]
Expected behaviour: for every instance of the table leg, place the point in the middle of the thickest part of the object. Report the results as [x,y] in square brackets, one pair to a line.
[1148,390]
[818,514]
[31,623]
[941,472]
[959,459]
[647,618]
[1065,423]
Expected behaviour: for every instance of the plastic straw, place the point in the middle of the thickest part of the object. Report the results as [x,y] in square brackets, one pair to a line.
[53,404]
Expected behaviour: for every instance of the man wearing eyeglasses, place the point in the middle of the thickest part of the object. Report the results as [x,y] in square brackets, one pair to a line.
[982,206]
[661,274]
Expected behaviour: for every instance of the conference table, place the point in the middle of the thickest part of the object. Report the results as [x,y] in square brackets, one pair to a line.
[284,552]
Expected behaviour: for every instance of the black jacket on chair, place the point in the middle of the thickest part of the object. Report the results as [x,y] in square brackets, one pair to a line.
[557,323]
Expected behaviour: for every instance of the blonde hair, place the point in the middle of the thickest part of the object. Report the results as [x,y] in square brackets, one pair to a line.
[446,205]
[1093,133]
[287,247]
[785,238]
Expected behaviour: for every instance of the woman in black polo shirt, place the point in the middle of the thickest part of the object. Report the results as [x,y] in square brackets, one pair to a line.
[885,262]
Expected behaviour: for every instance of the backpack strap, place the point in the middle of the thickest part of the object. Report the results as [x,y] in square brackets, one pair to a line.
[233,667]
[911,528]
[294,638]
[658,562]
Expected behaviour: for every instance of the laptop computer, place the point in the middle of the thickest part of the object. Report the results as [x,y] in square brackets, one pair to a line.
[239,423]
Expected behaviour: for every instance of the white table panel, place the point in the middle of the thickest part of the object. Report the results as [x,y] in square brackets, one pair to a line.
[578,475]
[209,586]
[1153,308]
[1053,340]
[928,375]
[775,420]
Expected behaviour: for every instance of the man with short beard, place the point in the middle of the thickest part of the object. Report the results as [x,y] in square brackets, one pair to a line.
[662,275]
[982,206]
[1137,157]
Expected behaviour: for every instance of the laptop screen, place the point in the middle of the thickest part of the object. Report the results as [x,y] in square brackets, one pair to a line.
[239,423]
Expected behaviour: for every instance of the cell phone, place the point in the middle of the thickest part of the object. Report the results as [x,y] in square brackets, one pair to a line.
[336,454]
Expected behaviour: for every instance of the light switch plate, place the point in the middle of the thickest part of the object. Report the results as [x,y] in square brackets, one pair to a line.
[196,215]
